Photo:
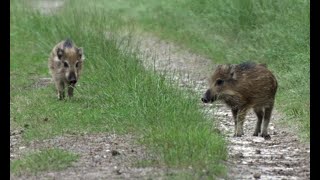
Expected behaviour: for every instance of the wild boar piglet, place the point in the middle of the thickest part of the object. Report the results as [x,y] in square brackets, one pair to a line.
[241,87]
[65,65]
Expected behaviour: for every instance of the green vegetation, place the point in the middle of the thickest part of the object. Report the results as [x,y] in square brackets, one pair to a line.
[115,92]
[48,159]
[275,32]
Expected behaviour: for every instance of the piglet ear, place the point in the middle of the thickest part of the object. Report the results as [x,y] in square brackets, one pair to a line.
[233,71]
[60,53]
[80,52]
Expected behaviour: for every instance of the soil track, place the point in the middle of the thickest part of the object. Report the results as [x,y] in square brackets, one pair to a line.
[102,156]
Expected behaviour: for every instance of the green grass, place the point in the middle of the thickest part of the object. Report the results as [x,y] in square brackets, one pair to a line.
[115,93]
[275,32]
[44,160]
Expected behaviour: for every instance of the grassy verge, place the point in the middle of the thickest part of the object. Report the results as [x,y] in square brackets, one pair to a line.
[228,31]
[115,92]
[45,160]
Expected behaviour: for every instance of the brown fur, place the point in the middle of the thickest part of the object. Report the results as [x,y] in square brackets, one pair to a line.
[65,65]
[241,87]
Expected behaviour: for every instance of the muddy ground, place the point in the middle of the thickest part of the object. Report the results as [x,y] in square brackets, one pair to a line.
[112,156]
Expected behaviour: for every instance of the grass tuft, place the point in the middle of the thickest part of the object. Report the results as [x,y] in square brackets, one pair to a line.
[44,160]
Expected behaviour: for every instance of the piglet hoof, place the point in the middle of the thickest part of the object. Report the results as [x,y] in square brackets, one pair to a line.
[237,135]
[266,136]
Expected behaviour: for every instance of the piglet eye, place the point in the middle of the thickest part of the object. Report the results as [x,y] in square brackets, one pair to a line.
[219,82]
[65,64]
[77,64]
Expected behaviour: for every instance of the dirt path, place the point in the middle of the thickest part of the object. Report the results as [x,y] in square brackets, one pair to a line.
[102,156]
[282,157]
